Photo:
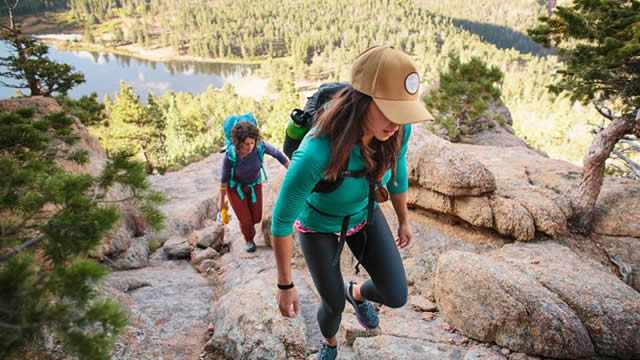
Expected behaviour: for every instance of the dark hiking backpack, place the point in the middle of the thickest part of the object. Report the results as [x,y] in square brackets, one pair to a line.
[302,120]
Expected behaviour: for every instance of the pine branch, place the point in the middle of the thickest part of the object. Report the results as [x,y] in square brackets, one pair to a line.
[13,86]
[134,195]
[603,110]
[21,247]
[632,166]
[11,326]
[632,144]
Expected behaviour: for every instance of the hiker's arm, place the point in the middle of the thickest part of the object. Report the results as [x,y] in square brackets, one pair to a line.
[282,158]
[287,298]
[399,202]
[307,168]
[225,174]
[400,183]
[398,187]
[282,249]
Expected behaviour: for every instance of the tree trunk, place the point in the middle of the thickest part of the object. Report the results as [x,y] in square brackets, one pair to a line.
[10,8]
[593,164]
[551,4]
[12,23]
[32,81]
[147,162]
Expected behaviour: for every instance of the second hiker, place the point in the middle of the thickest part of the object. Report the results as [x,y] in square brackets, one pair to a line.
[243,174]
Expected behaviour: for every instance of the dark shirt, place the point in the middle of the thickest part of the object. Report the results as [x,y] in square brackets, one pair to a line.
[248,168]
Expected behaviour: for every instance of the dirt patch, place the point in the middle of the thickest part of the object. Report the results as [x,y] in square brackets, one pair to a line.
[45,23]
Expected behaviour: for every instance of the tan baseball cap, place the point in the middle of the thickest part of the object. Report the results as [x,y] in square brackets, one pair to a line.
[390,77]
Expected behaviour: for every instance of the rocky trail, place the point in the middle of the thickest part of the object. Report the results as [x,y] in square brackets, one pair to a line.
[492,273]
[191,302]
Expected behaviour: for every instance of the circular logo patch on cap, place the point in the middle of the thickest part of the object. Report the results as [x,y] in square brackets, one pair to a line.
[412,83]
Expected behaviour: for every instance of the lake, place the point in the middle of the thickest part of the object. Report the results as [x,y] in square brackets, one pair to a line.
[104,71]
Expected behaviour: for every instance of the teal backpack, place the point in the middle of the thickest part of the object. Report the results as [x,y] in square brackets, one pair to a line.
[230,150]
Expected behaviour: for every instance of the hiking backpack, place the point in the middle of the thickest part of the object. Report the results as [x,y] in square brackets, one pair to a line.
[302,120]
[230,150]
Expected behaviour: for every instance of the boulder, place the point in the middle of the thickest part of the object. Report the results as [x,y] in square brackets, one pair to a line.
[177,248]
[480,352]
[168,306]
[134,257]
[390,347]
[210,236]
[248,324]
[521,192]
[617,211]
[512,219]
[526,297]
[206,265]
[627,251]
[609,309]
[431,238]
[199,255]
[437,166]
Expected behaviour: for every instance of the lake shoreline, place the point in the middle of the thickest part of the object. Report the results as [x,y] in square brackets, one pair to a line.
[50,29]
[149,75]
[162,55]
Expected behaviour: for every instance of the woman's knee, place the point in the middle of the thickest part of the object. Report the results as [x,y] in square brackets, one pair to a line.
[398,298]
[334,307]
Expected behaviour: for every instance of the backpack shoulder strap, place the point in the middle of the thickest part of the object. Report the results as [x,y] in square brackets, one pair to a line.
[261,148]
[230,152]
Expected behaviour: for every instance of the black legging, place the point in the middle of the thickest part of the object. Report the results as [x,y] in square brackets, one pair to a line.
[388,283]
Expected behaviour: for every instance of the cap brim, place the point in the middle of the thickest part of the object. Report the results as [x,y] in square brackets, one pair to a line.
[403,112]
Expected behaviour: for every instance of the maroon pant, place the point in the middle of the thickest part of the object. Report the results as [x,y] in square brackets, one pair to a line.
[248,213]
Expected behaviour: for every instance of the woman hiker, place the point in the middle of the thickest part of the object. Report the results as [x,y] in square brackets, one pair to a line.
[354,156]
[242,177]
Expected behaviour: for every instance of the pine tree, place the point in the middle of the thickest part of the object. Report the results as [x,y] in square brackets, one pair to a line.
[466,90]
[135,127]
[599,44]
[30,66]
[51,219]
[157,141]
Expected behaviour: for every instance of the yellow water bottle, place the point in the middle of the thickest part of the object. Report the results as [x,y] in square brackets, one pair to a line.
[224,215]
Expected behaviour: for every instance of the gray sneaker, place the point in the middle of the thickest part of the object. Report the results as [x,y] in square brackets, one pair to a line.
[365,312]
[250,247]
[327,352]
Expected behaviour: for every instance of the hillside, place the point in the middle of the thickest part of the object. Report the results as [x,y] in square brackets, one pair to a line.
[335,31]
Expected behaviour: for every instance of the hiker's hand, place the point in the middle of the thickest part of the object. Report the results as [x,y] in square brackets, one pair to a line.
[221,203]
[404,235]
[288,302]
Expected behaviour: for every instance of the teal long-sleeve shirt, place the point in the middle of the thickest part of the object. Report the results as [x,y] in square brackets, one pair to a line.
[307,168]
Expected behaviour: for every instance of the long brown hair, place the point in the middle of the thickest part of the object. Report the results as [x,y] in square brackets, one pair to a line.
[344,123]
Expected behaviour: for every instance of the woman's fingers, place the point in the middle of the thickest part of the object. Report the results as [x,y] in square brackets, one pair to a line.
[404,236]
[295,307]
[288,303]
